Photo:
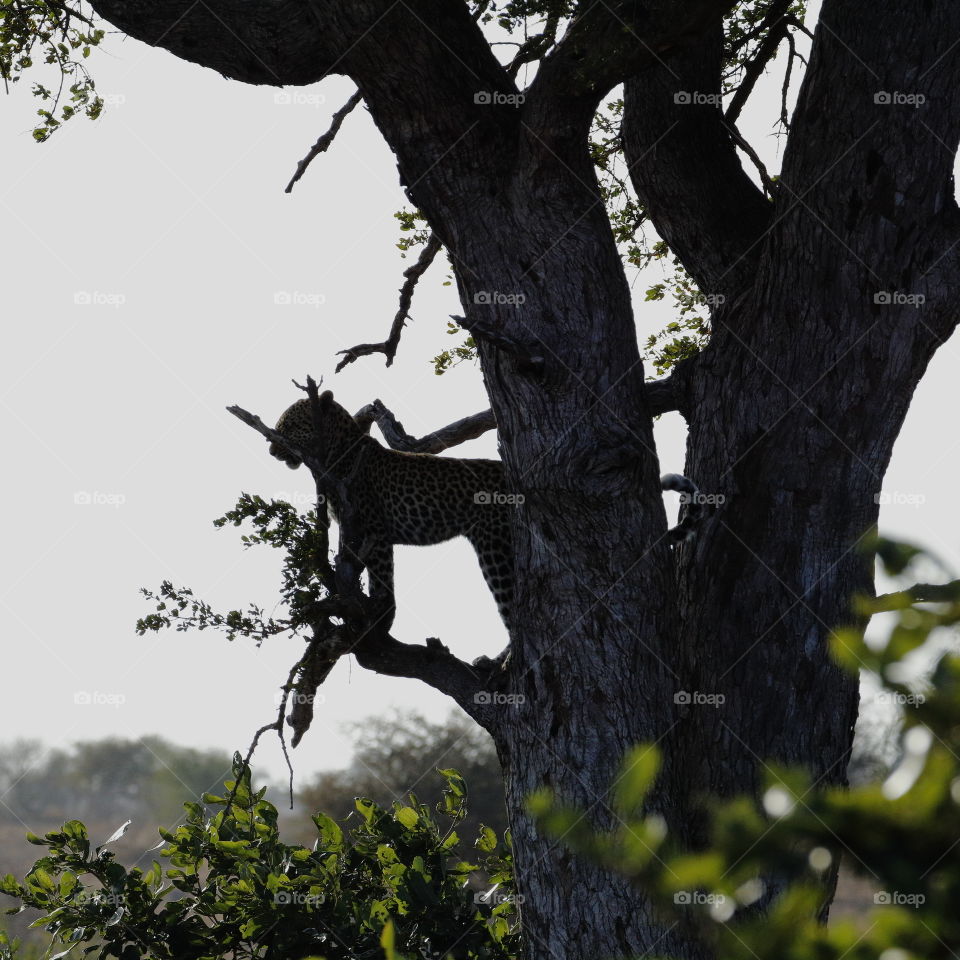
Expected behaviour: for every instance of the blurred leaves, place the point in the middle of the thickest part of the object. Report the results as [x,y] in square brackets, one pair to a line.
[901,834]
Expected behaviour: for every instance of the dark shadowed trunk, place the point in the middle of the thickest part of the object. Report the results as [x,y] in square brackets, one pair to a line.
[793,408]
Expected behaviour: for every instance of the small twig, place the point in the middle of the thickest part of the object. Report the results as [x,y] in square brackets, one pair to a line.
[739,140]
[411,276]
[276,725]
[469,428]
[787,74]
[324,142]
[798,24]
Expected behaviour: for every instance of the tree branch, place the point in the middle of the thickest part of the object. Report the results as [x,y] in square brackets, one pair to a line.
[469,428]
[273,42]
[685,169]
[663,396]
[412,276]
[777,27]
[324,142]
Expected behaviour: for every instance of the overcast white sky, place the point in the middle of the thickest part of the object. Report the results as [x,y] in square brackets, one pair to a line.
[173,203]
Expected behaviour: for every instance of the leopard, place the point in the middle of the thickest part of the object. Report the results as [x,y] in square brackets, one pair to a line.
[401,498]
[421,499]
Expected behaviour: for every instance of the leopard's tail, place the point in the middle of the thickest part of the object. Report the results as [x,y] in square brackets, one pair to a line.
[690,497]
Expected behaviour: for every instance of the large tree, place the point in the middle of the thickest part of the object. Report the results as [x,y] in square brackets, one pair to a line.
[833,285]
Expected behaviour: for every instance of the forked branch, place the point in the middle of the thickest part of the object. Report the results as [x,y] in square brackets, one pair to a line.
[411,276]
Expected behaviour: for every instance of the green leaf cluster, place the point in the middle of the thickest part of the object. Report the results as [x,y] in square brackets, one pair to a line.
[36,32]
[277,524]
[232,888]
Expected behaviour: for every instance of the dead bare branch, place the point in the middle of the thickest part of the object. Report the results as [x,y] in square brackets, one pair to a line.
[324,142]
[411,276]
[469,428]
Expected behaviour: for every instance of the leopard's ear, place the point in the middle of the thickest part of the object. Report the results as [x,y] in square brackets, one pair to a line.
[326,398]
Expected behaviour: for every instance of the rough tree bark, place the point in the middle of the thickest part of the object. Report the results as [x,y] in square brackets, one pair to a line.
[793,408]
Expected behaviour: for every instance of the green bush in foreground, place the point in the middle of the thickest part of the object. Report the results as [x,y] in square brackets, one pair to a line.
[234,889]
[394,889]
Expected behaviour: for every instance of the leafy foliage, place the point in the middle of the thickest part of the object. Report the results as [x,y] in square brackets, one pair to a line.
[467,350]
[902,834]
[233,889]
[276,524]
[53,33]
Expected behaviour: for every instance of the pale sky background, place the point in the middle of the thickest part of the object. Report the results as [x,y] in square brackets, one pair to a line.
[173,203]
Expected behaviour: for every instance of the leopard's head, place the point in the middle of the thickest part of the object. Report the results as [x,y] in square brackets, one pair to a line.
[340,434]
